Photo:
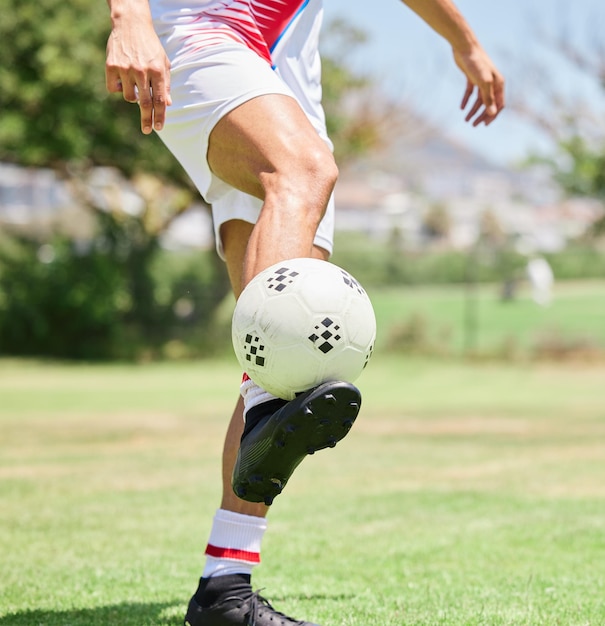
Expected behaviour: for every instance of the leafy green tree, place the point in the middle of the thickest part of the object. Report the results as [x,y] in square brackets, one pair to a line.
[91,301]
[55,108]
[63,300]
[573,123]
[582,171]
[54,306]
[356,113]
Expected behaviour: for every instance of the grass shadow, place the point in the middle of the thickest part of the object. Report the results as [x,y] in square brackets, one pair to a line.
[127,614]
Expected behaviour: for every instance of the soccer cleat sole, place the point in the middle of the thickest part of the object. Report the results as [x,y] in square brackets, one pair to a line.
[316,420]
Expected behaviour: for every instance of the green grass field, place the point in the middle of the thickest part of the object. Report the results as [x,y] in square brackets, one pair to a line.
[575,316]
[466,494]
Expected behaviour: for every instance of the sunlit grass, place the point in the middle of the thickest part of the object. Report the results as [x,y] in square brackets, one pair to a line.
[576,314]
[466,494]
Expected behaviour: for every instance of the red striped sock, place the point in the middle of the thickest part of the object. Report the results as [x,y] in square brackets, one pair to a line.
[252,394]
[234,544]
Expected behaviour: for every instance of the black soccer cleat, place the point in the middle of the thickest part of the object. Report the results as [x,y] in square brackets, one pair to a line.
[230,601]
[276,441]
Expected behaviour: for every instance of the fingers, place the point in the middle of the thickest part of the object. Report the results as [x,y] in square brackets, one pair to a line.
[153,98]
[145,100]
[475,108]
[482,76]
[113,81]
[149,89]
[488,103]
[467,94]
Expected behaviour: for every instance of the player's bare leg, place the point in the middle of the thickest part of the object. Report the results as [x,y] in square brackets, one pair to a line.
[268,149]
[235,235]
[315,420]
[228,599]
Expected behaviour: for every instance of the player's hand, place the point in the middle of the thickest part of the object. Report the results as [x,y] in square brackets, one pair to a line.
[485,81]
[138,67]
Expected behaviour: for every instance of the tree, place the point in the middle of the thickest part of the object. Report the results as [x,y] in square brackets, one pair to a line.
[57,113]
[357,113]
[573,123]
[55,108]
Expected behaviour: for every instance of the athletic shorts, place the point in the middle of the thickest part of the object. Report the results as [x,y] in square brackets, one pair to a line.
[208,80]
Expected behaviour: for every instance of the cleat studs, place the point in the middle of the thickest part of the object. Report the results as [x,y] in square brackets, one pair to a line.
[331,442]
[330,398]
[347,424]
[310,450]
[239,491]
[280,443]
[290,428]
[268,500]
[308,411]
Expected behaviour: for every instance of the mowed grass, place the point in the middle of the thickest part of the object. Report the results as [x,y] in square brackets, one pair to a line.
[466,494]
[576,315]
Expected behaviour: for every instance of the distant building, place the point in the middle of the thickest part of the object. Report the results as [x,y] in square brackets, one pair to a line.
[38,200]
[391,192]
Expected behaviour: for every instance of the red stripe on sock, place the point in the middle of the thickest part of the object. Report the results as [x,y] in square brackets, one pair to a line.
[232,553]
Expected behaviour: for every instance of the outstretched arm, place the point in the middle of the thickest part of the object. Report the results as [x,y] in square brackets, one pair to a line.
[136,63]
[481,74]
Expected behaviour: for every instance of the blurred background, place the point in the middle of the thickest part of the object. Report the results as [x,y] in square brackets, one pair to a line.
[483,243]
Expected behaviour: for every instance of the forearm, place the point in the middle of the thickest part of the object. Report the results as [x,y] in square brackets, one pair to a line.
[446,20]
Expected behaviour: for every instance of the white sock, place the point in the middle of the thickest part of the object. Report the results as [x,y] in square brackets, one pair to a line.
[234,543]
[252,394]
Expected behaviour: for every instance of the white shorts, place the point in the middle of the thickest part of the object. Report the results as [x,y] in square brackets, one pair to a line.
[208,81]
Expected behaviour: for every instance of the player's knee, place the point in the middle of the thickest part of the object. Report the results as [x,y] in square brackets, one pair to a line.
[323,169]
[312,176]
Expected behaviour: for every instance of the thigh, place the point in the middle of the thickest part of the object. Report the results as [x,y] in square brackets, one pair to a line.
[264,135]
[206,86]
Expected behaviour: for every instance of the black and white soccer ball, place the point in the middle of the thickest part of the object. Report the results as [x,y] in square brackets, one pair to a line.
[302,322]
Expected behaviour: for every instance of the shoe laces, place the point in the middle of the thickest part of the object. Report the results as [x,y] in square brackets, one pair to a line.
[258,602]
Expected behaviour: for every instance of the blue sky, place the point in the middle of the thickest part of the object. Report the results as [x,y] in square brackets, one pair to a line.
[415,65]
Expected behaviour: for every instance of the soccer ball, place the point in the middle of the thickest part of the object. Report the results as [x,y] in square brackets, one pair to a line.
[302,322]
